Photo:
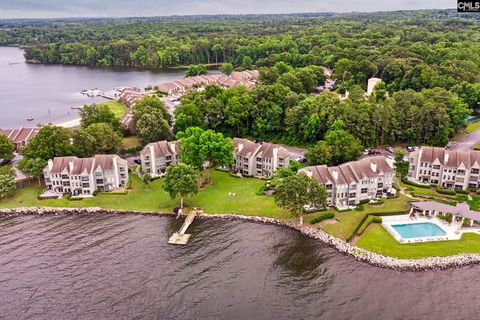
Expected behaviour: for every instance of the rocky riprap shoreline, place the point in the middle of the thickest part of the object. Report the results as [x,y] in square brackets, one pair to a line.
[312,232]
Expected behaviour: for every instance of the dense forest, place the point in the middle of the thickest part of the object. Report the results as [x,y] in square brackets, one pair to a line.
[428,60]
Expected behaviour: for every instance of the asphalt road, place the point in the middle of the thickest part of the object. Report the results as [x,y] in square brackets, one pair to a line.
[467,143]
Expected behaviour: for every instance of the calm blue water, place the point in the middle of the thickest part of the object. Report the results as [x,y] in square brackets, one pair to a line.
[418,230]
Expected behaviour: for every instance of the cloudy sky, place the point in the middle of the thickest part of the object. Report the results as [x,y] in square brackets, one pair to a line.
[121,8]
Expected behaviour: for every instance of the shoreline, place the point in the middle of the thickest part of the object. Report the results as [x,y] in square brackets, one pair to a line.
[359,254]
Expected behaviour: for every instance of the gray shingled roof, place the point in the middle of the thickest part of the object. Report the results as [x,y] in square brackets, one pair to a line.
[461,209]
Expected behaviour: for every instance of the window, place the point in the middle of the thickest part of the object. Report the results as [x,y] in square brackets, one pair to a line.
[436,166]
[380,185]
[475,171]
[98,174]
[259,159]
[329,187]
[473,178]
[364,190]
[461,171]
[352,195]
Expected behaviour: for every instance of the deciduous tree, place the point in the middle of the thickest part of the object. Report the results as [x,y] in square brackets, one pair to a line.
[181,180]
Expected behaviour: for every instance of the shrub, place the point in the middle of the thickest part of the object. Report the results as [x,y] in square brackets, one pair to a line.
[463,191]
[364,201]
[95,192]
[418,185]
[261,191]
[466,222]
[320,218]
[73,198]
[376,219]
[445,191]
[154,178]
[360,207]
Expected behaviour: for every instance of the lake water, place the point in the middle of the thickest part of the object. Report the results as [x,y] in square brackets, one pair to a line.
[121,267]
[32,90]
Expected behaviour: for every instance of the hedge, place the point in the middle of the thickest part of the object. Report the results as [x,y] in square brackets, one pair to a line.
[463,191]
[359,207]
[364,226]
[418,185]
[364,201]
[378,214]
[328,215]
[445,191]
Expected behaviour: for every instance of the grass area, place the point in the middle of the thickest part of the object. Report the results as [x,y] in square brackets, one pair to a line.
[116,107]
[377,239]
[476,146]
[473,126]
[213,199]
[130,142]
[349,220]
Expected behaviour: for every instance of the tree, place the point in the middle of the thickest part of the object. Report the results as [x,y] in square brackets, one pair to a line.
[151,120]
[226,69]
[398,154]
[146,178]
[33,167]
[6,149]
[97,138]
[198,146]
[196,70]
[7,186]
[320,153]
[50,142]
[98,114]
[345,147]
[181,180]
[295,192]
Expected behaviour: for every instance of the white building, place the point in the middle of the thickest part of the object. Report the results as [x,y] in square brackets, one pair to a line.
[449,169]
[351,182]
[84,176]
[157,156]
[258,159]
[372,82]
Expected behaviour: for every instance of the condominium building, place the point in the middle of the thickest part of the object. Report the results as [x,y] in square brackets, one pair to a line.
[157,156]
[450,169]
[352,182]
[84,176]
[258,159]
[21,137]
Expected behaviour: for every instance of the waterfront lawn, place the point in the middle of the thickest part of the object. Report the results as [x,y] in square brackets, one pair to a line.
[377,239]
[349,220]
[213,199]
[116,107]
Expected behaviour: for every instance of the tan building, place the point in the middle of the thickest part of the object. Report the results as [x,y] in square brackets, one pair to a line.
[130,96]
[157,156]
[258,159]
[21,137]
[450,169]
[352,182]
[84,176]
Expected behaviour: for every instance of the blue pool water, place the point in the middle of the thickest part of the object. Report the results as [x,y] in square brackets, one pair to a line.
[418,230]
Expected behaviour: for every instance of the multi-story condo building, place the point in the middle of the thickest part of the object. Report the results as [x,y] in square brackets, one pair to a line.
[157,156]
[352,182]
[450,169]
[258,159]
[84,176]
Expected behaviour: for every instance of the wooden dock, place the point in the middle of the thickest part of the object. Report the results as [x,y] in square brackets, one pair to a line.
[181,237]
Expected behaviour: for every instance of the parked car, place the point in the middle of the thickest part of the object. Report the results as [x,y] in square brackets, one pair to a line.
[137,161]
[366,151]
[390,149]
[410,149]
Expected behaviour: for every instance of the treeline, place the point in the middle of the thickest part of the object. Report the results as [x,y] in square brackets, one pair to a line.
[409,50]
[283,111]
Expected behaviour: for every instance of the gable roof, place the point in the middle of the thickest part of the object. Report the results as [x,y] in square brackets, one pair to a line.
[161,148]
[449,158]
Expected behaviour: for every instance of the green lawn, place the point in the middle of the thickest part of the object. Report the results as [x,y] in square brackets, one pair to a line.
[377,239]
[473,126]
[116,107]
[213,199]
[130,142]
[349,220]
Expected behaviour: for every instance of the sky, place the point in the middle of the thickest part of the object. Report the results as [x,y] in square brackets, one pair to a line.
[124,8]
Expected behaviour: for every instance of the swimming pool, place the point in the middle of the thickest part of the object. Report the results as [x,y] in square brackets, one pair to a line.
[418,230]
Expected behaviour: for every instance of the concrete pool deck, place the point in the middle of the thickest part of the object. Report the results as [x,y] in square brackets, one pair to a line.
[452,230]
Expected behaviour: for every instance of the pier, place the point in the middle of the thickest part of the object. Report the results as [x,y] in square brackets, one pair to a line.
[181,237]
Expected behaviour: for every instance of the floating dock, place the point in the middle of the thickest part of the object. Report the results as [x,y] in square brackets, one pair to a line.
[181,237]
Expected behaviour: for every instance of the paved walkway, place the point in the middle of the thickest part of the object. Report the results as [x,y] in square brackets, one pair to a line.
[466,143]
